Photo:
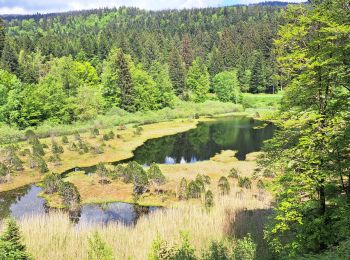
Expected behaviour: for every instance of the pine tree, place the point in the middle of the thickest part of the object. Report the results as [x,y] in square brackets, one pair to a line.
[125,83]
[9,60]
[187,51]
[2,35]
[177,73]
[11,246]
[258,81]
[209,200]
[224,186]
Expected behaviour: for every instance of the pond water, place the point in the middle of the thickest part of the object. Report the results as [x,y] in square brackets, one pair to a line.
[241,134]
[26,202]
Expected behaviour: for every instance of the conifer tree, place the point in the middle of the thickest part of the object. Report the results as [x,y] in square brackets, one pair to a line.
[2,35]
[125,83]
[9,59]
[258,81]
[11,245]
[177,73]
[182,192]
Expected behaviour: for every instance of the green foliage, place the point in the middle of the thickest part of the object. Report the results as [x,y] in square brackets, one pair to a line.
[226,86]
[98,249]
[70,195]
[244,182]
[197,81]
[177,73]
[224,186]
[245,249]
[209,200]
[65,139]
[218,250]
[52,183]
[233,173]
[155,174]
[308,153]
[194,190]
[11,245]
[56,148]
[182,191]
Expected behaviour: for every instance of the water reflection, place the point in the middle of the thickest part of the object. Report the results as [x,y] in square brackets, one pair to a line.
[26,202]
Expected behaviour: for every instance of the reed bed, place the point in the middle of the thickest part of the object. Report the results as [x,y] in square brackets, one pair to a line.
[55,237]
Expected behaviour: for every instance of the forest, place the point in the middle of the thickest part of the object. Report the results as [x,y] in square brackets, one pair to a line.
[68,67]
[205,133]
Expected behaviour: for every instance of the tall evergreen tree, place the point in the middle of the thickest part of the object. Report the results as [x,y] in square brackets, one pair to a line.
[177,73]
[187,51]
[9,59]
[2,35]
[258,77]
[125,83]
[11,246]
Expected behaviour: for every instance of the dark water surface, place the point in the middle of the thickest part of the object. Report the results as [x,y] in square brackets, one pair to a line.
[241,134]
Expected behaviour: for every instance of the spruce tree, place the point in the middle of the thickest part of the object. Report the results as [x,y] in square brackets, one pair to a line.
[198,81]
[182,192]
[127,91]
[177,73]
[258,81]
[9,60]
[2,35]
[11,246]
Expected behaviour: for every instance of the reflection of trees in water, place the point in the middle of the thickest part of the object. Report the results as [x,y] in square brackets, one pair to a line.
[140,211]
[155,150]
[207,140]
[8,198]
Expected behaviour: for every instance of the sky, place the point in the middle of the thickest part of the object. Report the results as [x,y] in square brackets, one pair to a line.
[49,6]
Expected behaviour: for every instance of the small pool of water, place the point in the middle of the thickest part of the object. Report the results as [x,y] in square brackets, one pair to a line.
[25,201]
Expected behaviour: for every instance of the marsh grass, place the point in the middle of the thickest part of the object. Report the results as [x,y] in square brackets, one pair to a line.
[55,237]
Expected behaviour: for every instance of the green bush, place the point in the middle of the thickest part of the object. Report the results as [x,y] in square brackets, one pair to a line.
[65,139]
[244,182]
[70,195]
[209,200]
[155,175]
[233,173]
[218,250]
[55,148]
[182,192]
[245,249]
[98,249]
[52,183]
[224,186]
[194,190]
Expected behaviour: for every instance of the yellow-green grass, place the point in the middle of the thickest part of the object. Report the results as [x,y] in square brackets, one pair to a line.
[92,191]
[55,237]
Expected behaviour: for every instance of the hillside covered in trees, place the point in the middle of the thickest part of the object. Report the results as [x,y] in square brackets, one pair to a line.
[71,66]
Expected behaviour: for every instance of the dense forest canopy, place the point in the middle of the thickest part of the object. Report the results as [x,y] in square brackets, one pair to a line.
[132,59]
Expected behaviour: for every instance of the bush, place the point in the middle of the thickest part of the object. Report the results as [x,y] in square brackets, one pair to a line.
[101,170]
[218,250]
[182,192]
[11,246]
[245,249]
[98,249]
[260,184]
[138,131]
[95,131]
[55,148]
[52,183]
[37,147]
[65,139]
[224,186]
[194,190]
[70,195]
[209,200]
[155,175]
[233,173]
[244,182]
